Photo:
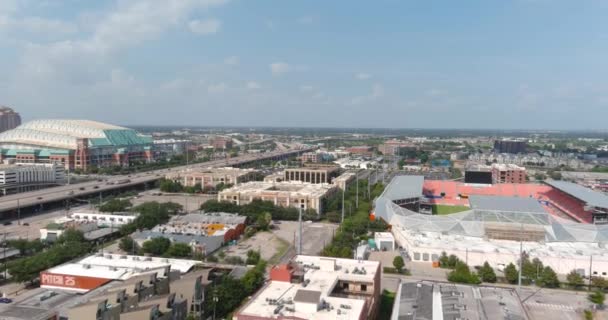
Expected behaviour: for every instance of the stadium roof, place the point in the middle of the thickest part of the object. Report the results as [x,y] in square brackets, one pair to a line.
[591,197]
[508,204]
[402,187]
[63,134]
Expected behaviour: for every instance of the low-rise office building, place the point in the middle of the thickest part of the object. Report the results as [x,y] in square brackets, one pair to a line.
[285,194]
[19,177]
[211,177]
[312,174]
[312,287]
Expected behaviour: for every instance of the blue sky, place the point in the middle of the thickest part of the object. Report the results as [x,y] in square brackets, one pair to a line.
[518,64]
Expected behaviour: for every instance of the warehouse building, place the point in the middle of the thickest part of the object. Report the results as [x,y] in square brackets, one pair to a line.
[77,144]
[310,287]
[285,194]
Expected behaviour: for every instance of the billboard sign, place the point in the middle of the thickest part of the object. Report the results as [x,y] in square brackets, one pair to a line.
[79,283]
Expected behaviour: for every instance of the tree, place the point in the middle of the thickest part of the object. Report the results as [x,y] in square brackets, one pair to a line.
[115,205]
[263,221]
[574,279]
[511,273]
[486,273]
[167,185]
[548,278]
[128,245]
[462,274]
[71,235]
[179,250]
[156,246]
[398,263]
[599,282]
[597,297]
[253,257]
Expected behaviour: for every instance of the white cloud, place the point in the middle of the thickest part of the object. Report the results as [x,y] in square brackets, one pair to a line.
[252,85]
[306,88]
[232,61]
[362,76]
[377,92]
[209,26]
[217,88]
[308,19]
[279,68]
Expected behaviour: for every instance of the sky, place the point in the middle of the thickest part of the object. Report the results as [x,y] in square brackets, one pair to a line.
[504,64]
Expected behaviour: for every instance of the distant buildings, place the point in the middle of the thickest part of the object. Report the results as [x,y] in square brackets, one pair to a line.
[9,119]
[317,288]
[361,150]
[104,219]
[285,194]
[20,177]
[508,173]
[219,142]
[165,148]
[211,177]
[92,230]
[351,163]
[510,146]
[77,144]
[392,147]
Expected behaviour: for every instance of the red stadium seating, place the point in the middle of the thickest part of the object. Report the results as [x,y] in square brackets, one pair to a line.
[559,202]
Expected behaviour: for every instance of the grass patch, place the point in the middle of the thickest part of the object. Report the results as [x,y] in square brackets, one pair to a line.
[386,305]
[282,247]
[445,209]
[404,271]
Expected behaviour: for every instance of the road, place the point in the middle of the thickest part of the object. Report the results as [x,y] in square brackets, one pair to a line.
[54,194]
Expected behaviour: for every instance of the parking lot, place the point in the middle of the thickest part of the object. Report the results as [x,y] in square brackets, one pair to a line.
[315,235]
[190,202]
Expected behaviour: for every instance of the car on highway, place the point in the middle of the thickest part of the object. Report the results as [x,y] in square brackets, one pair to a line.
[26,224]
[6,300]
[39,198]
[6,223]
[95,187]
[81,188]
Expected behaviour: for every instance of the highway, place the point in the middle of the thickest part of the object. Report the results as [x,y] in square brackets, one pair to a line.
[54,194]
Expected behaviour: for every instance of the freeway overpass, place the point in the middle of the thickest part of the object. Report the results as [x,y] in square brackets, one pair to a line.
[60,193]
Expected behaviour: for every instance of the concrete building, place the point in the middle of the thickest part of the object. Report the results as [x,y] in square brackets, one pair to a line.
[392,147]
[510,146]
[508,173]
[317,288]
[77,144]
[384,241]
[104,219]
[166,148]
[342,181]
[312,174]
[91,230]
[99,269]
[229,225]
[219,142]
[9,119]
[431,300]
[19,177]
[286,194]
[361,150]
[211,177]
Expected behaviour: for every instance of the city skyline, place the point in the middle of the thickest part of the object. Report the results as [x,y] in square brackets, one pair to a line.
[514,65]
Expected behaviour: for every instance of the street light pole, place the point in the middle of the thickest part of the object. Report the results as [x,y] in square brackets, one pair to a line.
[343,191]
[357,197]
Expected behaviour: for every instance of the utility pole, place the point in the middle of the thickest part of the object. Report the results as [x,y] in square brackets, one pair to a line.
[18,212]
[357,197]
[590,272]
[521,231]
[343,191]
[300,230]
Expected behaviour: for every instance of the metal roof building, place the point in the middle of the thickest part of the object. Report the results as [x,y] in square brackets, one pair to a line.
[591,197]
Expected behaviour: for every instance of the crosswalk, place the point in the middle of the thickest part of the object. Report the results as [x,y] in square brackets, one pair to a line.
[551,306]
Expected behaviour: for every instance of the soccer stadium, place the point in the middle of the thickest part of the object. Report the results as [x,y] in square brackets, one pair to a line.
[558,222]
[77,144]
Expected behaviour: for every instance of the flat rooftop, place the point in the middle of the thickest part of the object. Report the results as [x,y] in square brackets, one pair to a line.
[426,300]
[506,204]
[402,187]
[296,187]
[322,274]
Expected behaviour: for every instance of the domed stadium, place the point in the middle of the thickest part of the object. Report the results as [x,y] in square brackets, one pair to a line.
[494,227]
[78,144]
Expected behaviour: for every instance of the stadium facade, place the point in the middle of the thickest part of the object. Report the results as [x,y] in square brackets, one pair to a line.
[492,230]
[77,144]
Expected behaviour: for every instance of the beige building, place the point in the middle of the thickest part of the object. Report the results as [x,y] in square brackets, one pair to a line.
[344,180]
[286,194]
[316,174]
[508,173]
[212,176]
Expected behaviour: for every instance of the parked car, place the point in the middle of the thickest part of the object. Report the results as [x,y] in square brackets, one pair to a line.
[7,223]
[6,300]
